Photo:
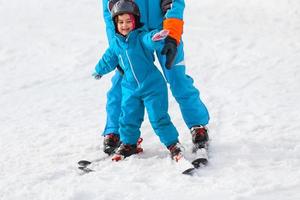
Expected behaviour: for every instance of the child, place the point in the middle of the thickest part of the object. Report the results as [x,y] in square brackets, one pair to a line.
[142,83]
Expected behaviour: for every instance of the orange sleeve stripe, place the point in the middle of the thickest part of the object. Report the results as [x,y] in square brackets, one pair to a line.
[175,26]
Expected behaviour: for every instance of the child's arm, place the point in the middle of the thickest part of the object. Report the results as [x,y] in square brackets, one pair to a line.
[154,40]
[107,63]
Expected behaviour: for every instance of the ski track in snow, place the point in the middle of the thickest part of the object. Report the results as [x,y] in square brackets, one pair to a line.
[244,57]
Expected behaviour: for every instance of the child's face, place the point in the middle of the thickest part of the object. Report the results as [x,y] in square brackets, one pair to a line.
[124,24]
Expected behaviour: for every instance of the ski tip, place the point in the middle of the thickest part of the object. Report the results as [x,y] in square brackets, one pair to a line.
[199,161]
[84,162]
[85,169]
[189,171]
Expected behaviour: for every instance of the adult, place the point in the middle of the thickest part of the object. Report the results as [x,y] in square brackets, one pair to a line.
[168,15]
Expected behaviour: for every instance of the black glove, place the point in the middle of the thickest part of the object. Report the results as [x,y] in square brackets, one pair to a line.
[96,75]
[166,5]
[170,50]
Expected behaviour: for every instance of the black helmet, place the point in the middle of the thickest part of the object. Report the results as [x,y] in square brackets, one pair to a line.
[111,3]
[125,6]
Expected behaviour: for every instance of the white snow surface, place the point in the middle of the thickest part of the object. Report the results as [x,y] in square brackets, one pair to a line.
[244,56]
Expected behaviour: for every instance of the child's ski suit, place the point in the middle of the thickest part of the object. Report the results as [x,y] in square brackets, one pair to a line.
[142,86]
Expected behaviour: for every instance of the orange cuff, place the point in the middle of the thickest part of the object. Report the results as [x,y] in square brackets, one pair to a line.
[175,26]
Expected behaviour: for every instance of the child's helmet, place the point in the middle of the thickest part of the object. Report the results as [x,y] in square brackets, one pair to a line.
[125,6]
[111,3]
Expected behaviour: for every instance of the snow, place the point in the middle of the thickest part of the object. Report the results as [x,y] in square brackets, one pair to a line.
[244,57]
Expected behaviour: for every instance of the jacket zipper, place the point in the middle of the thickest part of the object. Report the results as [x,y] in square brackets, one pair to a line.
[134,75]
[122,61]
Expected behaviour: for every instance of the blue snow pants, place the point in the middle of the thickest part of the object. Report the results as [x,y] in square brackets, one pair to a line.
[155,99]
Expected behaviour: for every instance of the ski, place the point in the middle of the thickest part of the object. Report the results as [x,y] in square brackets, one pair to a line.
[186,166]
[201,159]
[84,165]
[197,163]
[86,169]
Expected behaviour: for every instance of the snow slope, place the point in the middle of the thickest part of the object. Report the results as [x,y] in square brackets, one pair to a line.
[244,57]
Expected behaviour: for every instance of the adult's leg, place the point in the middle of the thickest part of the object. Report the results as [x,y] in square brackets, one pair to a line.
[193,110]
[113,105]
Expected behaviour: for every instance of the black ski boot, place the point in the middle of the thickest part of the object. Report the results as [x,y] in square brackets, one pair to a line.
[110,143]
[199,136]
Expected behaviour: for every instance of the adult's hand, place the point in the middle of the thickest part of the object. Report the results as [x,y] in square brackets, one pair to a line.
[170,50]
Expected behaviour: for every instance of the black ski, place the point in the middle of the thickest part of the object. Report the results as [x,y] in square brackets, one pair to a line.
[84,165]
[201,159]
[85,169]
[197,163]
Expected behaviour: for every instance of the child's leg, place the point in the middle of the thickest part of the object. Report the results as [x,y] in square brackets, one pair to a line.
[157,108]
[132,116]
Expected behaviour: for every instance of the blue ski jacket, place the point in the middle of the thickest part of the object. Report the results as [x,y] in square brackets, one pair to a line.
[134,54]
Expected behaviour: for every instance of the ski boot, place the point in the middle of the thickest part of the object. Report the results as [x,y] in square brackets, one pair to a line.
[126,150]
[199,137]
[176,151]
[110,143]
